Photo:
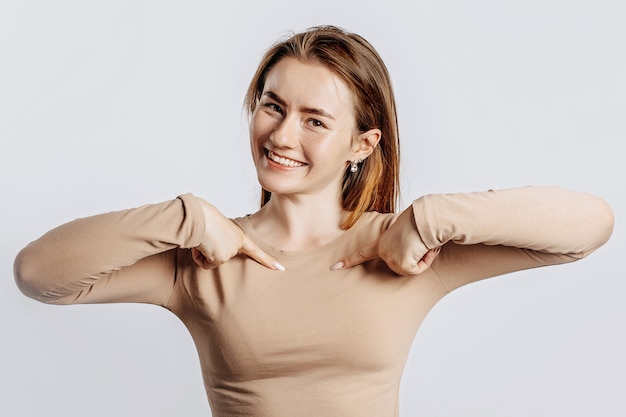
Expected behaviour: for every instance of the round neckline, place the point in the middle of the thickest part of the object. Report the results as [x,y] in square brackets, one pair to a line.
[246,225]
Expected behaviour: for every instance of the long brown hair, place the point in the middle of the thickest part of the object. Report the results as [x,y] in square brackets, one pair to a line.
[375,186]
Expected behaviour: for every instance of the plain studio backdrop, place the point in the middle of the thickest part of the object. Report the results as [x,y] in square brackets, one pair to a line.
[109,105]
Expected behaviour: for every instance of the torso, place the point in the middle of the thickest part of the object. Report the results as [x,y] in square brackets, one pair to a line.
[308,341]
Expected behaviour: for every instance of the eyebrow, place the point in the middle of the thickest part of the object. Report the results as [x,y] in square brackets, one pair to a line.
[309,110]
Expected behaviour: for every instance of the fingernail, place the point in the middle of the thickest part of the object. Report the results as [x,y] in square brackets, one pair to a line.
[337,266]
[279,266]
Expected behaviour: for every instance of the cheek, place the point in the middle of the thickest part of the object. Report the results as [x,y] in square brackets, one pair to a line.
[253,131]
[261,127]
[254,126]
[261,122]
[256,132]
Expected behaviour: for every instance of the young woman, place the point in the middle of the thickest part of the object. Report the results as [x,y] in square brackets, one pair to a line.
[309,306]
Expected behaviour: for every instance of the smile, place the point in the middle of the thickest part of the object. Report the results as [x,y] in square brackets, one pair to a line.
[283,161]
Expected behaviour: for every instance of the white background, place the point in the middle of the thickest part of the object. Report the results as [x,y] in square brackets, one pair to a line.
[108,105]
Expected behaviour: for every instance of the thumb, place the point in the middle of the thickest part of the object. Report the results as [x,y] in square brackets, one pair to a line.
[200,259]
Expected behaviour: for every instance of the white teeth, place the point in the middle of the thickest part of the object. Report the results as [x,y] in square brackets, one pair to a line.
[283,161]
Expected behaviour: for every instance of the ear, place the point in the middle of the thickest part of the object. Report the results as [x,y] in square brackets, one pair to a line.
[366,142]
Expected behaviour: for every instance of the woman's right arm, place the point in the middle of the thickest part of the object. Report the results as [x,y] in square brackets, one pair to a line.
[129,255]
[122,256]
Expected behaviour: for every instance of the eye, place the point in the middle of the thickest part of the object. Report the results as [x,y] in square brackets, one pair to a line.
[273,107]
[316,123]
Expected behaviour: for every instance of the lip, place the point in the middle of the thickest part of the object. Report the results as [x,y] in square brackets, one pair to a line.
[290,162]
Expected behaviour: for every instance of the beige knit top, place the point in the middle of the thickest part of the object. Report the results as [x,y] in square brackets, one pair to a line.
[307,341]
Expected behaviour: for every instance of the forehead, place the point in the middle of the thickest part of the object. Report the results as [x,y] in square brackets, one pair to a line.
[309,83]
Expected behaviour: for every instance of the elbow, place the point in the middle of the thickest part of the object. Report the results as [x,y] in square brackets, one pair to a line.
[609,221]
[603,223]
[28,277]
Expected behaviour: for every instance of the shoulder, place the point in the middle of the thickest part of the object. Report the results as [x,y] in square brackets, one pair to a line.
[383,220]
[374,223]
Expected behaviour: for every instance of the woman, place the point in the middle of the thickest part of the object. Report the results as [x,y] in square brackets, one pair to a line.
[309,306]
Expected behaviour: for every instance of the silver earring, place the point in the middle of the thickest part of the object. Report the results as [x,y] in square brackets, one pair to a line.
[355,166]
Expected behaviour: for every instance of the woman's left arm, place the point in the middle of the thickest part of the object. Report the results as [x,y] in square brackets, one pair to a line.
[490,233]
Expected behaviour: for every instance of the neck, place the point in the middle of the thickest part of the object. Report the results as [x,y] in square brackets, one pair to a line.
[298,224]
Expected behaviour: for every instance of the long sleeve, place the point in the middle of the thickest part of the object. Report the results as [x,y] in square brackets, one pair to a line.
[121,256]
[495,232]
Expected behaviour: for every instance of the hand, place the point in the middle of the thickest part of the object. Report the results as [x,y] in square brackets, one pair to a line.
[223,240]
[400,246]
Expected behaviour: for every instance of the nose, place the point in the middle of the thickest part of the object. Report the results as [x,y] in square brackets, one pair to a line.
[284,134]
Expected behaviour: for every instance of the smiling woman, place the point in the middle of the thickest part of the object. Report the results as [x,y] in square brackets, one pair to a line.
[309,306]
[304,134]
[348,61]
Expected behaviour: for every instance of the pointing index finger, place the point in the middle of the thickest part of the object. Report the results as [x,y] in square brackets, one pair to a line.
[253,251]
[365,254]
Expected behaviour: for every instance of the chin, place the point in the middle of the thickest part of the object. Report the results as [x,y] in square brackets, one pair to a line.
[273,186]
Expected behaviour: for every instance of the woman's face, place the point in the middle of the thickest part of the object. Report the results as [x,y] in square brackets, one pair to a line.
[303,131]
